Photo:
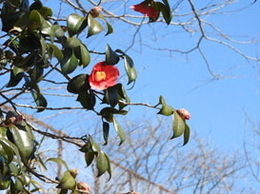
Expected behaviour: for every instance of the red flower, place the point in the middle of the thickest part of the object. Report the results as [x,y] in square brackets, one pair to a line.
[103,76]
[184,114]
[147,9]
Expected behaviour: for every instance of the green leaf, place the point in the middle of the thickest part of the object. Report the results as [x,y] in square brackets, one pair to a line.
[53,31]
[36,18]
[76,24]
[36,74]
[109,167]
[45,12]
[105,132]
[82,53]
[186,134]
[69,63]
[166,11]
[93,26]
[111,57]
[93,144]
[23,140]
[59,161]
[110,110]
[102,163]
[23,21]
[17,70]
[111,96]
[87,99]
[8,151]
[165,109]
[15,79]
[178,125]
[78,84]
[119,131]
[73,42]
[39,99]
[53,50]
[130,70]
[89,157]
[11,145]
[109,27]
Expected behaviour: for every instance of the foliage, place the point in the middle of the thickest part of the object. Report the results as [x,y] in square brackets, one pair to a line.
[33,42]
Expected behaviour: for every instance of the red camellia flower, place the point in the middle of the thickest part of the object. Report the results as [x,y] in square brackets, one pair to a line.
[147,9]
[103,76]
[184,114]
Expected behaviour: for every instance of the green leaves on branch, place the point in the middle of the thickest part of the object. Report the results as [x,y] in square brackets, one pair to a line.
[179,125]
[165,109]
[92,151]
[75,54]
[76,24]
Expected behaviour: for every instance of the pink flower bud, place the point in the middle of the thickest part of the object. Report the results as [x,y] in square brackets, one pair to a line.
[95,11]
[83,187]
[184,114]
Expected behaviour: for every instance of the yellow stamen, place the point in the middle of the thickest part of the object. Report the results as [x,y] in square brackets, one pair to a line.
[100,75]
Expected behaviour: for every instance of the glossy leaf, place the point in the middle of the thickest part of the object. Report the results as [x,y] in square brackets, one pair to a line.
[17,70]
[103,164]
[119,131]
[89,157]
[110,110]
[76,24]
[69,63]
[23,21]
[178,125]
[111,96]
[36,18]
[36,74]
[58,161]
[82,53]
[87,99]
[130,70]
[111,57]
[45,12]
[165,109]
[78,84]
[93,26]
[7,151]
[186,134]
[14,79]
[109,27]
[53,31]
[11,145]
[40,100]
[73,42]
[165,10]
[23,140]
[105,132]
[94,146]
[53,50]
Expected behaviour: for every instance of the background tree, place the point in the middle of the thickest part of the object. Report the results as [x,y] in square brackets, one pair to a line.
[41,51]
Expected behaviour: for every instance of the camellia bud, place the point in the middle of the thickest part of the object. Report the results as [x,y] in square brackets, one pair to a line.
[95,11]
[73,172]
[184,114]
[83,187]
